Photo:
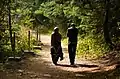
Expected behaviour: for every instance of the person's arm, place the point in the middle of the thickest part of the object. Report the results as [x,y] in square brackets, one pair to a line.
[67,33]
[52,40]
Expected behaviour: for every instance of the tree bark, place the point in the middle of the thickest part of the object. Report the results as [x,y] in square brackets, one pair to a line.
[10,25]
[106,26]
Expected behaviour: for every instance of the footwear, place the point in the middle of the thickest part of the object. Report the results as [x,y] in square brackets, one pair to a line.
[72,64]
[55,63]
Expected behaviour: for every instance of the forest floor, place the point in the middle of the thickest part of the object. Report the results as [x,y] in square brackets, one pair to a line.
[41,67]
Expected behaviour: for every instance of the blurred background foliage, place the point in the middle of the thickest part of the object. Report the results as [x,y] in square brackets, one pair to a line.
[97,21]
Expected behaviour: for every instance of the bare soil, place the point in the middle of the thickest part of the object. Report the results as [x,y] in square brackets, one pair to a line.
[41,67]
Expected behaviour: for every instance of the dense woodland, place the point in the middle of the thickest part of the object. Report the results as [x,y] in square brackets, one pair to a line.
[97,20]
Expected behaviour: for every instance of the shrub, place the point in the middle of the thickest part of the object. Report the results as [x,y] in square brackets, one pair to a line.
[22,41]
[91,46]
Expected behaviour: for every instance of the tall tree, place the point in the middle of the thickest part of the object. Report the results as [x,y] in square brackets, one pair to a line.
[106,25]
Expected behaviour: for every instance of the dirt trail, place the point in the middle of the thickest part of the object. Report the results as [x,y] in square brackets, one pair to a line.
[81,64]
[41,67]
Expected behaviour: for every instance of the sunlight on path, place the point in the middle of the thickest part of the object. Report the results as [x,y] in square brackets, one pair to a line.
[41,67]
[81,65]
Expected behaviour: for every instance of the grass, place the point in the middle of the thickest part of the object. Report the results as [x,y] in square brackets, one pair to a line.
[83,52]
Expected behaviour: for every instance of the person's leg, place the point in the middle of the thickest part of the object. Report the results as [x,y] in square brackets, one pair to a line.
[54,56]
[73,53]
[70,50]
[75,45]
[61,54]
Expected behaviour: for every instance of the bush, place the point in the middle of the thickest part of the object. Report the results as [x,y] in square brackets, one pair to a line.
[22,41]
[91,46]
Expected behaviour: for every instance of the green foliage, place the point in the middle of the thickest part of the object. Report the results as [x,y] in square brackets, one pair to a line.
[4,33]
[91,46]
[88,15]
[21,15]
[88,19]
[22,41]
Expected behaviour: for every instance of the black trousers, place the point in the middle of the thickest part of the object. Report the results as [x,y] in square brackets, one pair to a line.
[72,52]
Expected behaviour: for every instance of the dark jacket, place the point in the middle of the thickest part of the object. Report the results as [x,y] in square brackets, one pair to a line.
[72,34]
[56,43]
[56,39]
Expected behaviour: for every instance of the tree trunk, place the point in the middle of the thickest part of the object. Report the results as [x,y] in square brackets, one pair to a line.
[105,25]
[10,26]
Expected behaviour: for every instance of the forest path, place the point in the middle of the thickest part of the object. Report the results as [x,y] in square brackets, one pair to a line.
[41,67]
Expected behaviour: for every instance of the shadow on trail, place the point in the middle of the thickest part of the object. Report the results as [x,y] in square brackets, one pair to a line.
[89,66]
[78,65]
[30,69]
[87,71]
[111,74]
[65,65]
[40,67]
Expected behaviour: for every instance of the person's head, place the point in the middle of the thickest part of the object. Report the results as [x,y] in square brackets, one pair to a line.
[56,29]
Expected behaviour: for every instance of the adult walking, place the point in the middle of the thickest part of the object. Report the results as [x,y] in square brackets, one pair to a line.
[72,34]
[56,48]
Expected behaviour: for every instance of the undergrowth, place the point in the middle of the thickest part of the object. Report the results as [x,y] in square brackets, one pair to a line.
[90,47]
